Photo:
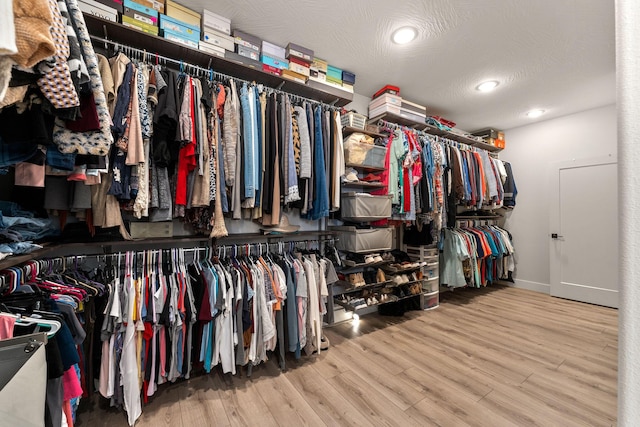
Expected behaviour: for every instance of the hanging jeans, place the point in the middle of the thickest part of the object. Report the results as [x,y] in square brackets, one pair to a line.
[321,201]
[250,139]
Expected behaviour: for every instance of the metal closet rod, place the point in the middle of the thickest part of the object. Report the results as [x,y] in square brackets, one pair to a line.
[149,56]
[382,122]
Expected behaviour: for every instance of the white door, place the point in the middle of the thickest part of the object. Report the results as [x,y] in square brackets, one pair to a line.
[584,231]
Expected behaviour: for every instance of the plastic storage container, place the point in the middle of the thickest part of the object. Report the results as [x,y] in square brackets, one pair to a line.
[352,239]
[362,207]
[354,120]
[431,300]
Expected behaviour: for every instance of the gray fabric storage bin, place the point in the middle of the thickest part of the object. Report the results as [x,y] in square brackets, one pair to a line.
[352,239]
[361,207]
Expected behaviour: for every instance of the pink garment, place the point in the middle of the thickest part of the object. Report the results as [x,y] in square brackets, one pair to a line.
[6,326]
[71,384]
[66,408]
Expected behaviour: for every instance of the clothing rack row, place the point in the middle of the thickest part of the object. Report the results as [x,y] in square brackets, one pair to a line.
[26,270]
[145,56]
[475,222]
[418,132]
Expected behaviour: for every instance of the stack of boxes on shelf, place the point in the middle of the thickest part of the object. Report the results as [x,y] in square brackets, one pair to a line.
[105,9]
[216,34]
[388,101]
[143,15]
[321,72]
[491,136]
[211,33]
[300,59]
[181,25]
[273,59]
[247,50]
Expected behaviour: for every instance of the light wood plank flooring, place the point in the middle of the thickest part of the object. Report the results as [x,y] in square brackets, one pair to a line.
[492,357]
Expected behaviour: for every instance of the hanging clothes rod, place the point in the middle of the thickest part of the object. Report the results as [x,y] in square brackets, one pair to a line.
[419,132]
[204,72]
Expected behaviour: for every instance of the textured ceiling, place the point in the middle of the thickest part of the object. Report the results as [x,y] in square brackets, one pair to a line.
[557,55]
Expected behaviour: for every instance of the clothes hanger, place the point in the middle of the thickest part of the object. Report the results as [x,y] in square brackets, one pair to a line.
[53,325]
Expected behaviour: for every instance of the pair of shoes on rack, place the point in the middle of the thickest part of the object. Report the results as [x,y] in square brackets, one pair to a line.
[356,279]
[417,275]
[371,258]
[372,301]
[400,279]
[357,303]
[380,276]
[387,256]
[415,289]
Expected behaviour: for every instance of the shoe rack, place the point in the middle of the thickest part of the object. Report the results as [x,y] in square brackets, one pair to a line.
[429,260]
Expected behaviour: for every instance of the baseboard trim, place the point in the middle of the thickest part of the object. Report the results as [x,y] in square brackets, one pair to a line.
[544,288]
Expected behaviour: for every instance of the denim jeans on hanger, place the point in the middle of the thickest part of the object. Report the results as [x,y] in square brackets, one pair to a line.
[250,137]
[321,201]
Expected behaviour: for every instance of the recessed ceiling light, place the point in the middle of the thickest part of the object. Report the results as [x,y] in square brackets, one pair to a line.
[535,113]
[404,35]
[487,86]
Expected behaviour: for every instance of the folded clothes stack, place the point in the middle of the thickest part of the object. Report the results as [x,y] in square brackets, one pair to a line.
[19,229]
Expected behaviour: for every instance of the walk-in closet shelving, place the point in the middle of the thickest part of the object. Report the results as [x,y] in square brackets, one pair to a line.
[154,45]
[432,130]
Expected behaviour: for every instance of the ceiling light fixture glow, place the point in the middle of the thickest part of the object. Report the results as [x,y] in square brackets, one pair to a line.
[487,86]
[404,35]
[533,114]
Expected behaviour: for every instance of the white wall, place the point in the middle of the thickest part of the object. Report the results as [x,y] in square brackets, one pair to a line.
[360,104]
[628,93]
[532,150]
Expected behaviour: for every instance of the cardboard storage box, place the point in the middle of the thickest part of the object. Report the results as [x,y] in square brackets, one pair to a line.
[387,98]
[275,62]
[354,239]
[247,40]
[182,13]
[248,53]
[150,4]
[132,23]
[98,9]
[273,50]
[142,17]
[320,65]
[294,50]
[348,77]
[216,22]
[331,79]
[183,29]
[362,207]
[115,4]
[292,75]
[334,72]
[272,70]
[211,49]
[179,38]
[147,10]
[218,39]
[486,133]
[317,76]
[384,109]
[297,68]
[234,57]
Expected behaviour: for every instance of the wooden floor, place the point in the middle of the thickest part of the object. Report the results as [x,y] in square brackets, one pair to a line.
[490,357]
